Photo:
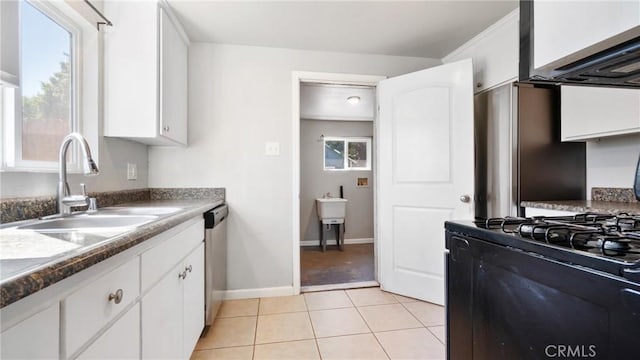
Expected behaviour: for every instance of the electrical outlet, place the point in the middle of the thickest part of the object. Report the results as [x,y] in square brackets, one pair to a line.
[272,149]
[132,171]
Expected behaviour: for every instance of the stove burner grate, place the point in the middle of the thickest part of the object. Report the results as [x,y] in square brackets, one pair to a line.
[605,234]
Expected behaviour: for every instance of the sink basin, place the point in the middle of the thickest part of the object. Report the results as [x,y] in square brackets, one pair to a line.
[89,222]
[331,208]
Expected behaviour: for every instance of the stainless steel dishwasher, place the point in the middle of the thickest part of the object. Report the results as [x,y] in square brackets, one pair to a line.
[215,261]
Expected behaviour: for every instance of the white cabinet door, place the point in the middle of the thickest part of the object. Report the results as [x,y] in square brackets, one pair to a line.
[173,81]
[494,52]
[565,31]
[145,74]
[131,70]
[120,341]
[593,112]
[162,314]
[193,299]
[37,337]
[425,174]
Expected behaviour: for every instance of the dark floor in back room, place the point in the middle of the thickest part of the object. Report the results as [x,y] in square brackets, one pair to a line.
[354,264]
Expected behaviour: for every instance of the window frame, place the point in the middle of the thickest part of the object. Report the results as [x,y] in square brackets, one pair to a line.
[11,114]
[347,140]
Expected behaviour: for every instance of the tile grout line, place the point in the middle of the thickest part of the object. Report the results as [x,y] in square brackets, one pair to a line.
[373,333]
[434,334]
[255,332]
[414,316]
[313,330]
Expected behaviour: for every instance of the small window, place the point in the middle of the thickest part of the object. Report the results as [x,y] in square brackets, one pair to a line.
[41,109]
[347,153]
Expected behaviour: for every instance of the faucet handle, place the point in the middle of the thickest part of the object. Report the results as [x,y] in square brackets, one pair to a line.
[84,189]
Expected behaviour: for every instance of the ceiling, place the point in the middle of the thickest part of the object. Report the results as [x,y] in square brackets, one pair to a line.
[429,29]
[329,102]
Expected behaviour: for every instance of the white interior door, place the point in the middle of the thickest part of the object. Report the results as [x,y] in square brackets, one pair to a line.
[425,174]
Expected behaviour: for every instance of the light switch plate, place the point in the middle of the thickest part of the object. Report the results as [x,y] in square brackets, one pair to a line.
[132,171]
[272,148]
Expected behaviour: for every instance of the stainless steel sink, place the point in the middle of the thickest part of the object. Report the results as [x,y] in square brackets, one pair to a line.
[89,222]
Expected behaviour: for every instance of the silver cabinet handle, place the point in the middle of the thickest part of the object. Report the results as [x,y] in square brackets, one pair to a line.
[188,268]
[117,296]
[465,198]
[183,275]
[166,128]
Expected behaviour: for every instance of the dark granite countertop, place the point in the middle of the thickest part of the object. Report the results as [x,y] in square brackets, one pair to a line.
[613,207]
[31,261]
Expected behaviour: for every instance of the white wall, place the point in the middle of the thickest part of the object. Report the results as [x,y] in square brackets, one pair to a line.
[240,98]
[113,154]
[611,162]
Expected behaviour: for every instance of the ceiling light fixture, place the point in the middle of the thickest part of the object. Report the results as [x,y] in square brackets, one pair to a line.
[353,100]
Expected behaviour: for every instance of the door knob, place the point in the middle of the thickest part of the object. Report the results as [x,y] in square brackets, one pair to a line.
[465,198]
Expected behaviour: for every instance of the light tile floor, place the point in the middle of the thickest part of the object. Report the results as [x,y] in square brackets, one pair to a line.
[352,324]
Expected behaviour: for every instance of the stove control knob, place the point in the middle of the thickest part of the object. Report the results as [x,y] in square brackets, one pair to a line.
[465,198]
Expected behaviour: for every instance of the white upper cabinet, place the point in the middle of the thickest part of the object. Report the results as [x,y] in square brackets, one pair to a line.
[566,31]
[494,53]
[146,74]
[594,112]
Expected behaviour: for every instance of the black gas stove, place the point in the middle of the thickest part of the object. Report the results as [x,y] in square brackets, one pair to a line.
[544,287]
[605,242]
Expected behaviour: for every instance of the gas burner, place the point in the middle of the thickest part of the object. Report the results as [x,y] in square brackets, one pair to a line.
[614,244]
[625,222]
[611,236]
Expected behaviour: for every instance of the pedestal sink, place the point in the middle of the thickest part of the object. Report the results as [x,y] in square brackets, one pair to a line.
[331,212]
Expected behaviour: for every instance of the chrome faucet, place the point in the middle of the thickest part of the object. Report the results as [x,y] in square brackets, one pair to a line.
[65,199]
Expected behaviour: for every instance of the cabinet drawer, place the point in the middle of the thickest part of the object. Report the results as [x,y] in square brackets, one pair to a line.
[157,261]
[120,341]
[89,309]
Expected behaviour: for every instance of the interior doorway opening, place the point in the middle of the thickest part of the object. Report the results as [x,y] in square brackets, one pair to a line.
[335,137]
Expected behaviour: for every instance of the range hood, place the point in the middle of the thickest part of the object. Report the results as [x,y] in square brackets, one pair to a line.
[618,65]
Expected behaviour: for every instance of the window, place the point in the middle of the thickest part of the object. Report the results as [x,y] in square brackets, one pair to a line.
[40,108]
[347,153]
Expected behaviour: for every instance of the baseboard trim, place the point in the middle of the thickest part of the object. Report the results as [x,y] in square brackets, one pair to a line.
[333,242]
[353,285]
[257,293]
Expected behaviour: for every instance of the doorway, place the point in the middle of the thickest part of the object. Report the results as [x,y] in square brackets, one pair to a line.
[334,156]
[423,166]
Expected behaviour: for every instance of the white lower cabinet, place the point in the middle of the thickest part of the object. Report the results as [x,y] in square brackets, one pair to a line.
[36,337]
[120,341]
[162,318]
[193,305]
[145,303]
[173,310]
